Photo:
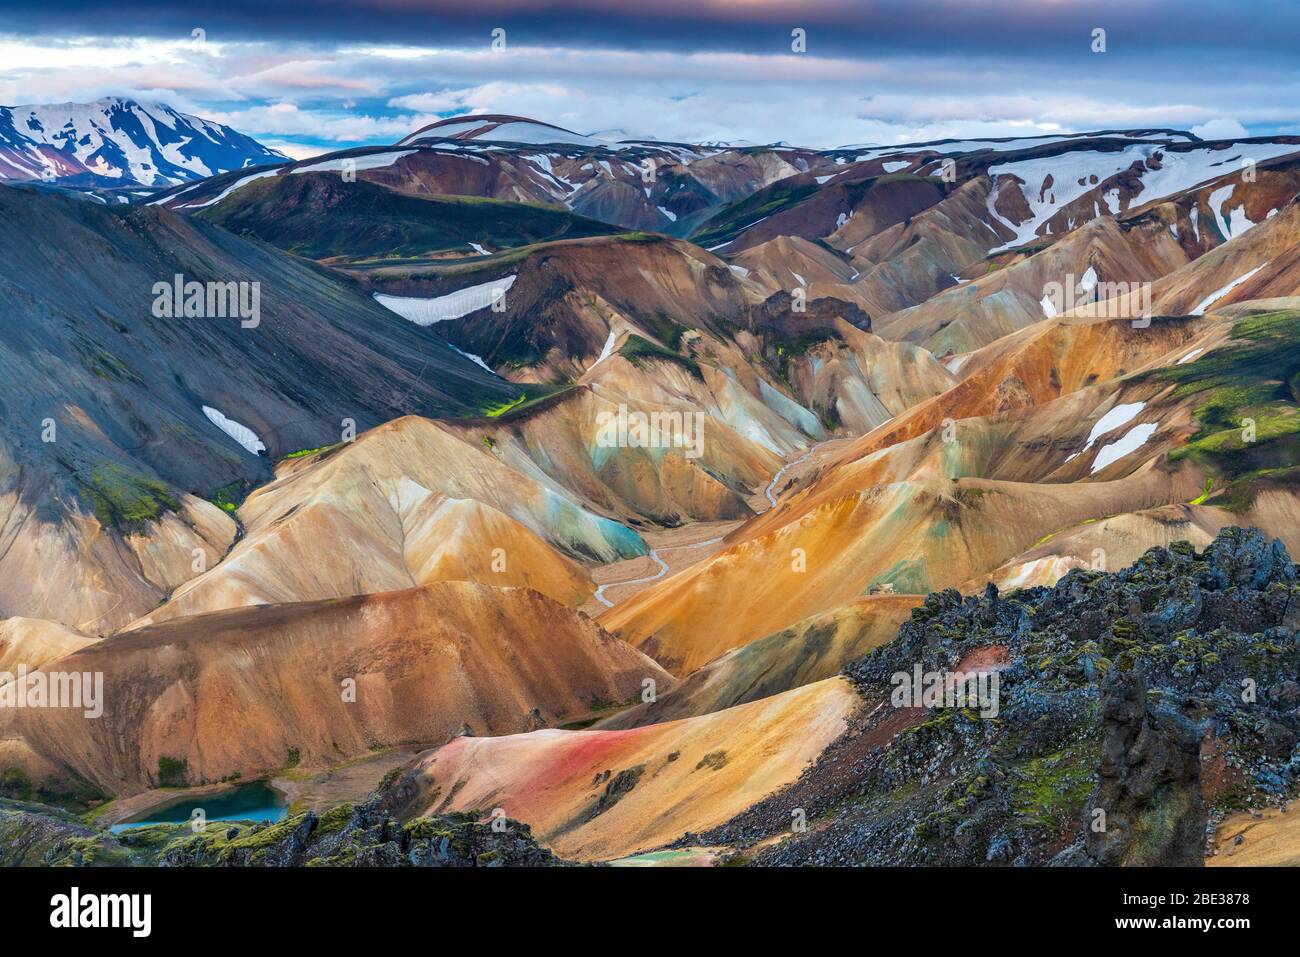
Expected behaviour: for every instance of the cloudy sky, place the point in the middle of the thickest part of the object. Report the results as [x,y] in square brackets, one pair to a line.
[312,76]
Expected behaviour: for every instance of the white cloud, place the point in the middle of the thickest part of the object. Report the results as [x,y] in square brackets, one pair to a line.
[287,119]
[18,54]
[309,76]
[296,151]
[1220,128]
[326,96]
[440,102]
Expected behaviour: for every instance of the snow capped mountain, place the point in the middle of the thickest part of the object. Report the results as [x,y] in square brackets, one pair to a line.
[119,142]
[620,135]
[497,128]
[1007,143]
[1045,186]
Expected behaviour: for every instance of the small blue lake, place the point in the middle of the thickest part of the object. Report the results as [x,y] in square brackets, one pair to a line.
[250,802]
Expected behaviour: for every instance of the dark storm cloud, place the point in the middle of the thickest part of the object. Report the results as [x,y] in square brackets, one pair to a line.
[1209,29]
[318,74]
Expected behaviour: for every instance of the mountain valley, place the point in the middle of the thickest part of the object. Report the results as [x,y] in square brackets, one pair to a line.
[617,482]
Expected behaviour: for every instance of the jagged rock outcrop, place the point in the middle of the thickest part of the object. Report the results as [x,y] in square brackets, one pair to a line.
[1148,809]
[1111,687]
[363,836]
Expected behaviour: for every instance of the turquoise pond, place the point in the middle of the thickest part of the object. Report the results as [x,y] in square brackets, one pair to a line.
[251,802]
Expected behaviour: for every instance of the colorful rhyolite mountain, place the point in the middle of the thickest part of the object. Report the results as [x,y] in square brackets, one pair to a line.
[1059,373]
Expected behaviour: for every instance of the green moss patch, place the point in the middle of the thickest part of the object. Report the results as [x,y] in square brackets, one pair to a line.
[1247,408]
[172,772]
[228,497]
[301,453]
[533,398]
[498,409]
[1050,791]
[125,500]
[637,350]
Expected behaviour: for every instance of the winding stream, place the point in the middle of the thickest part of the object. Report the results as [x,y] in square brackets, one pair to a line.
[663,570]
[771,486]
[663,566]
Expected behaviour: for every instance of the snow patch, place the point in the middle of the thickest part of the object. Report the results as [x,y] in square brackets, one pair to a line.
[373,161]
[240,433]
[454,305]
[606,352]
[1132,440]
[1072,176]
[1120,415]
[1220,293]
[477,360]
[230,189]
[538,133]
[1234,223]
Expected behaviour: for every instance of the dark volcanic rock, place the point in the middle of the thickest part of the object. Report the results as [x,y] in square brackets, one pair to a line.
[1111,686]
[344,836]
[1150,781]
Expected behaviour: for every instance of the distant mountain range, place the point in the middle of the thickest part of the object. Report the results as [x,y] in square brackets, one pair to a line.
[119,142]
